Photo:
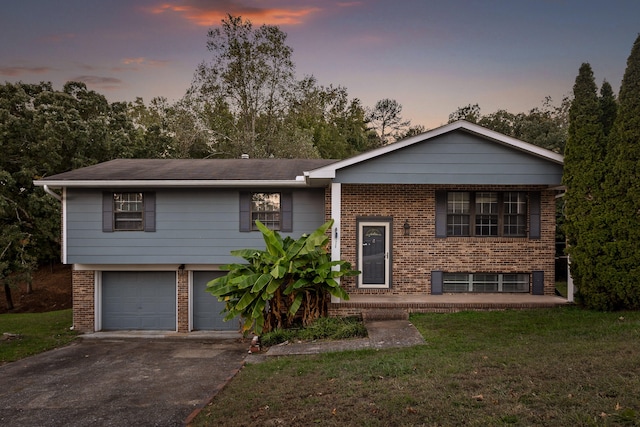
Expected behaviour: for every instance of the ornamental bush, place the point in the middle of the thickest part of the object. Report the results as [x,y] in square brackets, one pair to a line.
[288,280]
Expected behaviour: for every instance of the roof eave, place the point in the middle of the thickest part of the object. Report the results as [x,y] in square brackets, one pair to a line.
[202,183]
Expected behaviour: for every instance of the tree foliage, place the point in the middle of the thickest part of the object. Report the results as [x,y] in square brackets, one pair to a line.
[251,73]
[43,132]
[544,126]
[288,278]
[386,119]
[584,200]
[622,187]
[248,99]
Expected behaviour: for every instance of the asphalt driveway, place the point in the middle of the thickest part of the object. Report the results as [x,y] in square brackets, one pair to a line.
[117,382]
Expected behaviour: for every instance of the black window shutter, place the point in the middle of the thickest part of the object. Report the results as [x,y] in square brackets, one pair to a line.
[534,215]
[245,211]
[437,280]
[441,213]
[107,212]
[286,211]
[149,200]
[537,288]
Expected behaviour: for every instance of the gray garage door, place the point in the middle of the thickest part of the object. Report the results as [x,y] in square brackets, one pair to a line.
[206,307]
[136,300]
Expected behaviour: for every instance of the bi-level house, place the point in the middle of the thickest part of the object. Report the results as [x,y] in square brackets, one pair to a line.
[457,212]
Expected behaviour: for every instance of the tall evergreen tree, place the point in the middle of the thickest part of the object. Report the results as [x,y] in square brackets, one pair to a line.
[608,107]
[623,192]
[583,177]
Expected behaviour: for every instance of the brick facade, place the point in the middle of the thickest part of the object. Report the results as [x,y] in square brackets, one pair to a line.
[183,300]
[83,285]
[414,257]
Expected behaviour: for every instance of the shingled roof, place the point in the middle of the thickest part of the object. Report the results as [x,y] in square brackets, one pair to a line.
[144,170]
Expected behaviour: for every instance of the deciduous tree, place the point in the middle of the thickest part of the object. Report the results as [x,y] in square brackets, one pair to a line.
[251,71]
[386,119]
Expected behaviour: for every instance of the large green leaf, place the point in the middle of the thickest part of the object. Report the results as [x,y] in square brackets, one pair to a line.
[294,248]
[317,238]
[271,288]
[245,301]
[272,241]
[295,305]
[248,254]
[338,292]
[246,281]
[278,271]
[261,282]
[258,309]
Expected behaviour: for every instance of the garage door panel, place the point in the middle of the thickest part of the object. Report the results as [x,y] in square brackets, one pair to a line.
[207,310]
[138,300]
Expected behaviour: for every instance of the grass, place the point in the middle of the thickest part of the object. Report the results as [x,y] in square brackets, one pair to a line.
[37,332]
[561,287]
[323,328]
[555,367]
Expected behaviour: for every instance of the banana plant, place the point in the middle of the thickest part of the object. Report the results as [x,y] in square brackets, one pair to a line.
[290,279]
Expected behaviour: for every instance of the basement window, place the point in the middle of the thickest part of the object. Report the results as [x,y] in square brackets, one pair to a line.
[485,282]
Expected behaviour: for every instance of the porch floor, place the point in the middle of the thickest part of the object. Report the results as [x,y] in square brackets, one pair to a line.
[357,304]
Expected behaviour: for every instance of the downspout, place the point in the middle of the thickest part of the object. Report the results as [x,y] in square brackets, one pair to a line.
[51,192]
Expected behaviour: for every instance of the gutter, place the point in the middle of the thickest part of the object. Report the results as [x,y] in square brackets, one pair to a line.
[49,191]
[298,182]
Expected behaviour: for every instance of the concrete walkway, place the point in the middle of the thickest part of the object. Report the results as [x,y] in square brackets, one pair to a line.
[382,334]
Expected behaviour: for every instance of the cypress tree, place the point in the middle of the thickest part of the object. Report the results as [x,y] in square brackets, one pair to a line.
[608,107]
[623,191]
[583,177]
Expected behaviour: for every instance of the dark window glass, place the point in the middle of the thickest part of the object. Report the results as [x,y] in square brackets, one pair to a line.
[128,211]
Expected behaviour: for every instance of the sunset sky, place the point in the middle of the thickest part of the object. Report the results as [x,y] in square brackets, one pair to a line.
[430,56]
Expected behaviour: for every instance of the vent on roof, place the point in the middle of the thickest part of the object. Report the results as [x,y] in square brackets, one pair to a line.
[244,156]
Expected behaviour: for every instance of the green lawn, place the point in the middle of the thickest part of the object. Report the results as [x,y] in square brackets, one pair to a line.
[37,332]
[553,367]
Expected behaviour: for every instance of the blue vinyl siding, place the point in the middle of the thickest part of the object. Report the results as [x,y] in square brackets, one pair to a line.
[193,226]
[454,158]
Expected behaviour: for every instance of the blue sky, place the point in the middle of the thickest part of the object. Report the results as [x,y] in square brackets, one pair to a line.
[430,56]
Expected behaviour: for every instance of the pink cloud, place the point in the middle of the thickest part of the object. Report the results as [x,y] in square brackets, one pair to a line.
[203,13]
[19,71]
[144,61]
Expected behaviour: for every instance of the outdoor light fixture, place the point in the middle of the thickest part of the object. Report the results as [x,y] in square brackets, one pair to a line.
[406,227]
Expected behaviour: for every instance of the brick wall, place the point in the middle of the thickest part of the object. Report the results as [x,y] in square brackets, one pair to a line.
[416,255]
[183,301]
[83,284]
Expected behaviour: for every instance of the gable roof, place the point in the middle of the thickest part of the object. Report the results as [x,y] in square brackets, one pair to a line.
[188,173]
[329,171]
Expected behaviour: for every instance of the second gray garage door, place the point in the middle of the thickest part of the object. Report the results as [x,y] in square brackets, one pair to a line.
[206,307]
[139,300]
